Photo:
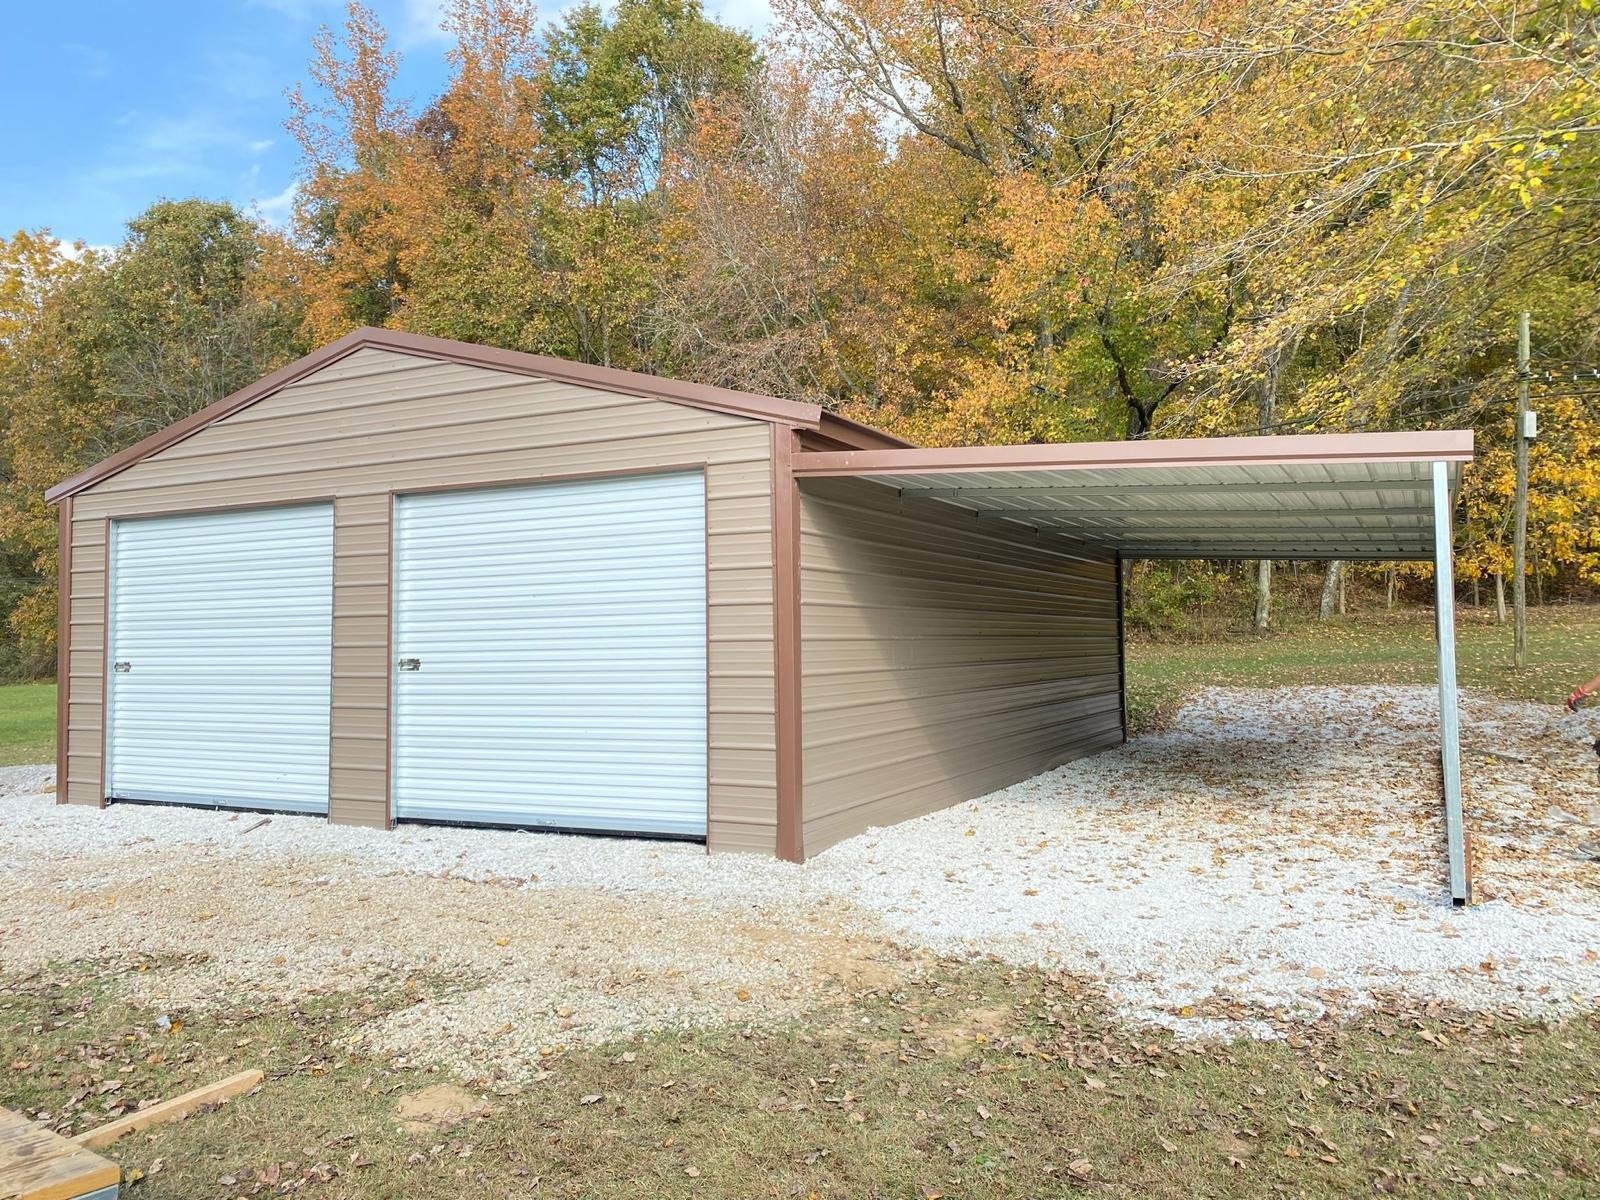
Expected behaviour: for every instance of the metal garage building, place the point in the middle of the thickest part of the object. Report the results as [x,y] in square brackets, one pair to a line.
[413,579]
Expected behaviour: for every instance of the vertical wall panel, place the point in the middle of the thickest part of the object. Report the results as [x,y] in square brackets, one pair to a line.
[358,755]
[941,658]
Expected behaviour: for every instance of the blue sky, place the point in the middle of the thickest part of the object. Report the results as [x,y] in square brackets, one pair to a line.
[116,104]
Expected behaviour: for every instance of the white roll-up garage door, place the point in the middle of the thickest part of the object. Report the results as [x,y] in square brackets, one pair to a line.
[550,646]
[220,640]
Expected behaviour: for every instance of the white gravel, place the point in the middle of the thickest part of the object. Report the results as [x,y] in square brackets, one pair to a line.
[26,780]
[1281,848]
[1268,855]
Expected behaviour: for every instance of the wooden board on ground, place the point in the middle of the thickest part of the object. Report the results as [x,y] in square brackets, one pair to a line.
[38,1164]
[170,1110]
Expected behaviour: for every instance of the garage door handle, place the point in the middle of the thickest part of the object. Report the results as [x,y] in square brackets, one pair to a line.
[411,664]
[124,667]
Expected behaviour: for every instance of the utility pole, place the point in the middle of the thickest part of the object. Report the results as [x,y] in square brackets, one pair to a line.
[1519,570]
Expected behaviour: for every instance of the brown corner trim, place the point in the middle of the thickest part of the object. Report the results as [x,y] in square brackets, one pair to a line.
[786,644]
[107,591]
[63,641]
[389,819]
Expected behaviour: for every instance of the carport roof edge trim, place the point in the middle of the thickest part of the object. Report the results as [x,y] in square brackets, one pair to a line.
[1448,445]
[633,383]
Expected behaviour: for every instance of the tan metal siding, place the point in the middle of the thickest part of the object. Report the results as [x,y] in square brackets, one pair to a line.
[85,660]
[380,421]
[358,752]
[941,657]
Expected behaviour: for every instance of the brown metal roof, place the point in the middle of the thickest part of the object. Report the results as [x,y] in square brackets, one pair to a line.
[633,383]
[1312,496]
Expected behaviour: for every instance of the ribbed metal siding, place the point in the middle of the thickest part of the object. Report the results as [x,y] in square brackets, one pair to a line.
[560,632]
[225,623]
[942,657]
[353,431]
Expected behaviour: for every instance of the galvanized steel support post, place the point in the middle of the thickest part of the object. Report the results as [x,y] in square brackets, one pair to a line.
[1449,701]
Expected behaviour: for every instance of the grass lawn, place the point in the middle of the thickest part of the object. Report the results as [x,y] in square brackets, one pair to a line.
[27,723]
[1563,650]
[975,1082]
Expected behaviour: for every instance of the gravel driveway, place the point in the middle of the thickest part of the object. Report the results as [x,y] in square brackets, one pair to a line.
[1265,857]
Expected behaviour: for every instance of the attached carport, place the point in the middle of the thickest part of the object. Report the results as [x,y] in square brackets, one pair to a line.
[1367,496]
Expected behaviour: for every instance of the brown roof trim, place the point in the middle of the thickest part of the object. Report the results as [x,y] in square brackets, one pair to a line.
[632,383]
[856,436]
[1450,445]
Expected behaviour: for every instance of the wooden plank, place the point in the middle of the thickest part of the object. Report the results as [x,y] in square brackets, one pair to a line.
[170,1110]
[39,1164]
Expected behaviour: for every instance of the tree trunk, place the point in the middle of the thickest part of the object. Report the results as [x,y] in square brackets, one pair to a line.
[1263,620]
[1389,594]
[1330,590]
[1343,575]
[1499,598]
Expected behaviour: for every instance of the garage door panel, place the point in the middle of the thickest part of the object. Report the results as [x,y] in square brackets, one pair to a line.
[560,634]
[223,623]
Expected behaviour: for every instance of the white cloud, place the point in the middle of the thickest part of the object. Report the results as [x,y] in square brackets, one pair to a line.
[422,22]
[73,251]
[276,210]
[754,16]
[185,149]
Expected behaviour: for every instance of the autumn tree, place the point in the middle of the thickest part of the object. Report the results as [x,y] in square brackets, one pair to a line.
[109,348]
[521,207]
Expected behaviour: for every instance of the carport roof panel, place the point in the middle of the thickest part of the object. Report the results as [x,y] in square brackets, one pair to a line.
[1357,496]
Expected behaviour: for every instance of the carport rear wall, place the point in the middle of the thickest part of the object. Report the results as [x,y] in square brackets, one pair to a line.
[377,422]
[942,656]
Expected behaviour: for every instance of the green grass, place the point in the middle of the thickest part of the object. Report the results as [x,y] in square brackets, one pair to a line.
[1563,650]
[27,723]
[973,1082]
